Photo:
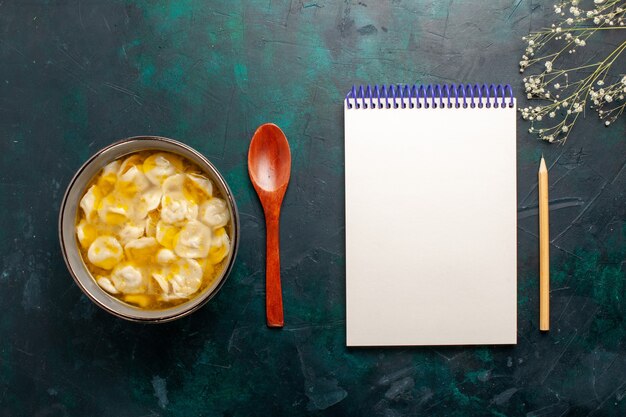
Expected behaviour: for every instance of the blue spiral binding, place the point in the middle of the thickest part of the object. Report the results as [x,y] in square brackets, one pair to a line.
[430,96]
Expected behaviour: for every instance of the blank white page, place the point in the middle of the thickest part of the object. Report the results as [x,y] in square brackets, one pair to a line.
[431,226]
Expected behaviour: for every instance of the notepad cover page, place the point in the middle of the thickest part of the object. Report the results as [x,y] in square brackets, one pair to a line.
[431,249]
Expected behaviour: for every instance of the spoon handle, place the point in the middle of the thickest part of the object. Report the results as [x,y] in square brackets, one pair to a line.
[273,290]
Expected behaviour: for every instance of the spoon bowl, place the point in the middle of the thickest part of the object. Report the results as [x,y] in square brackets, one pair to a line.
[269,159]
[269,167]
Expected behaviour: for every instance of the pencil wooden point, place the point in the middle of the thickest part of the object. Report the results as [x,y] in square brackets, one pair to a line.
[544,248]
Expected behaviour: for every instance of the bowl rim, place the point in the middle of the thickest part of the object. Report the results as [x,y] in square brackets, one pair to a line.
[204,297]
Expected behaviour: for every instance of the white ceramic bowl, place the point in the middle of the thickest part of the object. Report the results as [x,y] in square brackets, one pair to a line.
[69,244]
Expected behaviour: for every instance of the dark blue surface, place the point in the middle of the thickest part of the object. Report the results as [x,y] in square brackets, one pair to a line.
[78,75]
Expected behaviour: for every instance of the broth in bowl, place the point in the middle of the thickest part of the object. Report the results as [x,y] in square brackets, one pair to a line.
[153,230]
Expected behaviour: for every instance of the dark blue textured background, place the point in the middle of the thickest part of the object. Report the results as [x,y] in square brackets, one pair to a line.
[77,75]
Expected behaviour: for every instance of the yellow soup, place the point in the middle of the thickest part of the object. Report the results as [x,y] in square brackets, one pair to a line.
[152,230]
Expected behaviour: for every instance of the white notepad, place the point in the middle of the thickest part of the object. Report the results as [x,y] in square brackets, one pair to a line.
[431,248]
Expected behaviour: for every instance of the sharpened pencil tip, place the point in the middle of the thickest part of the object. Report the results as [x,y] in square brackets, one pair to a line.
[542,165]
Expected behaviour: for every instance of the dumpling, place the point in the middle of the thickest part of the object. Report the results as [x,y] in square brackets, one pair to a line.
[134,160]
[175,208]
[186,277]
[105,252]
[161,278]
[220,246]
[130,231]
[90,201]
[165,256]
[132,182]
[174,184]
[113,211]
[108,286]
[214,213]
[118,208]
[151,197]
[197,188]
[142,249]
[86,233]
[193,241]
[165,234]
[160,166]
[179,279]
[108,177]
[151,223]
[128,279]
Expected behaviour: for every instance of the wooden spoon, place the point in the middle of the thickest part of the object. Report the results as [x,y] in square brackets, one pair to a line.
[269,167]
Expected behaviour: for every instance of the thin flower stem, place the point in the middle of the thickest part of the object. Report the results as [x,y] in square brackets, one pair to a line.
[593,28]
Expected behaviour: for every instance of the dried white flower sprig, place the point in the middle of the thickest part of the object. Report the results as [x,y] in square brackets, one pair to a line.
[564,92]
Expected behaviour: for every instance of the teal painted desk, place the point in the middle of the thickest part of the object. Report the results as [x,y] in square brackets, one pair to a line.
[77,75]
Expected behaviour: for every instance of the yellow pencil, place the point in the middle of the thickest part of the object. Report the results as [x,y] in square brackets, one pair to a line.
[544,249]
